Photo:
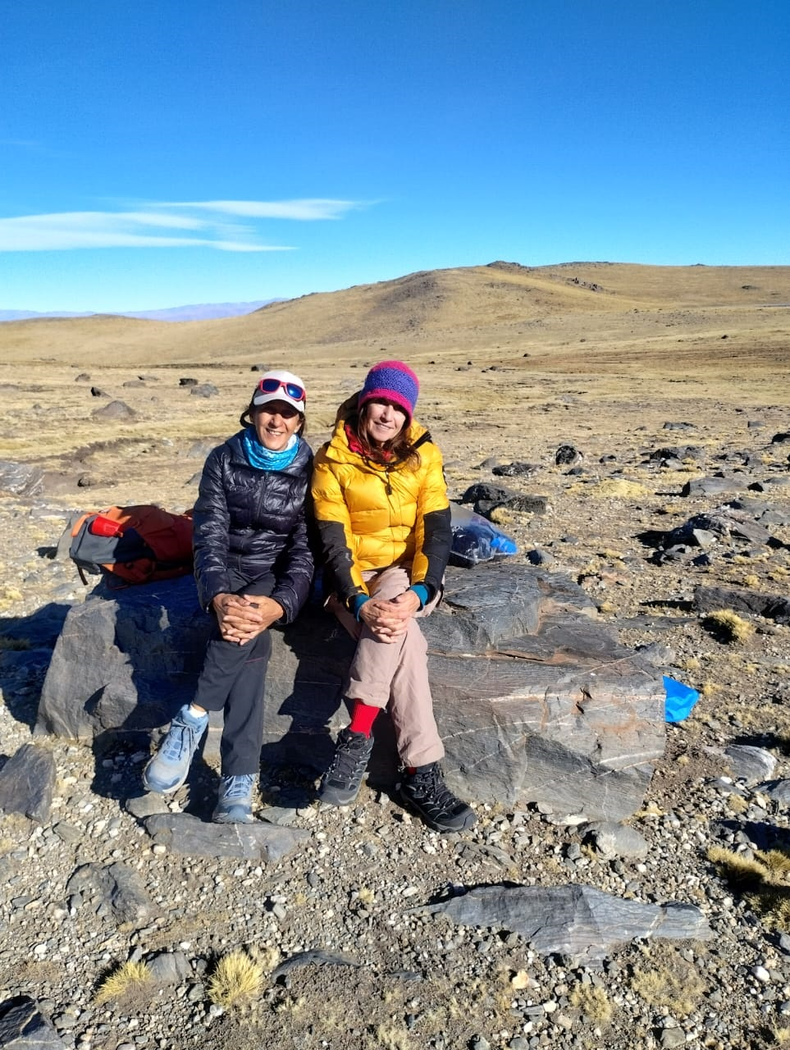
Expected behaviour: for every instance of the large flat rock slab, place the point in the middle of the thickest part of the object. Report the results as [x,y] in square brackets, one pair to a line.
[535,699]
[579,922]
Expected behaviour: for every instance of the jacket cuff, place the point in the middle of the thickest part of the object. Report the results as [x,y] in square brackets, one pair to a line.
[356,603]
[422,593]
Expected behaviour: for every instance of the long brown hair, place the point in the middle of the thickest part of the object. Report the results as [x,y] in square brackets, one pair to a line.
[393,453]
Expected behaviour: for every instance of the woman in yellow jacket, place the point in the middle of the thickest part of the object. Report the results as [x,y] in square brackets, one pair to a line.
[384,521]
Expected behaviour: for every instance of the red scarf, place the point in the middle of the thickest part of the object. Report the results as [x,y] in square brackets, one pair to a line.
[355,446]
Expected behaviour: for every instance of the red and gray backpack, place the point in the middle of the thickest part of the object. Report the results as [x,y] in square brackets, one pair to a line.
[132,544]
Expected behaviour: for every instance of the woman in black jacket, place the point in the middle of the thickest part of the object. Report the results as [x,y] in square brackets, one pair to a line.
[253,568]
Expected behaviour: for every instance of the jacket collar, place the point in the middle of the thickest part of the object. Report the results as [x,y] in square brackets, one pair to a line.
[300,463]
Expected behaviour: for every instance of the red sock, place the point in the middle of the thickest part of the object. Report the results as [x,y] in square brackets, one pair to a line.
[362,718]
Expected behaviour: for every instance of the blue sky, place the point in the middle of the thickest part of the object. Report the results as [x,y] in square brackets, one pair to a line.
[164,152]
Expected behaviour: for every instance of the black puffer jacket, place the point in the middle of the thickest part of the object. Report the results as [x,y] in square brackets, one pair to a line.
[253,521]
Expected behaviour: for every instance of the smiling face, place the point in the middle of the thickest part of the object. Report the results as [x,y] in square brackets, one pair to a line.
[275,423]
[383,421]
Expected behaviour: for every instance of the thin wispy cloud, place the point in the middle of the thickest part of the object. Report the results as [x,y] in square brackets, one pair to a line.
[301,210]
[174,224]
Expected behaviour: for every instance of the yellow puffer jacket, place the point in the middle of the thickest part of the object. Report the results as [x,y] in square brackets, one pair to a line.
[371,516]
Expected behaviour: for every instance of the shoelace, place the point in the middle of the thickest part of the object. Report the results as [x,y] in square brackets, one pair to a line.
[237,787]
[348,758]
[432,784]
[176,743]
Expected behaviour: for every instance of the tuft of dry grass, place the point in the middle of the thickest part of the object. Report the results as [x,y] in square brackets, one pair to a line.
[391,1037]
[616,488]
[236,979]
[737,804]
[728,626]
[130,979]
[671,982]
[764,880]
[593,1002]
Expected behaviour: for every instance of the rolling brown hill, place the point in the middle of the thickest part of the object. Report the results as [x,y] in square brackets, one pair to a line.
[453,311]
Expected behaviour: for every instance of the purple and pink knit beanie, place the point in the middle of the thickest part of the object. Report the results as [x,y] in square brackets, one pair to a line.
[391,381]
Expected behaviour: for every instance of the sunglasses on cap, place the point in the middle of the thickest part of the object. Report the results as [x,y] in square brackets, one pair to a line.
[293,390]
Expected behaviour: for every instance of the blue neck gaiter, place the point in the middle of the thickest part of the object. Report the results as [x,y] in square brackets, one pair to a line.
[262,458]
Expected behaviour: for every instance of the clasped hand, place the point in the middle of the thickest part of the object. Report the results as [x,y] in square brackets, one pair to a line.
[241,618]
[388,619]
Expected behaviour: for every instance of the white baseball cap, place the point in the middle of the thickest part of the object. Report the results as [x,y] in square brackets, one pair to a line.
[280,386]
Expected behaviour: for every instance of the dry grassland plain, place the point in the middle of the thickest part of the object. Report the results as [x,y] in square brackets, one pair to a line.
[511,360]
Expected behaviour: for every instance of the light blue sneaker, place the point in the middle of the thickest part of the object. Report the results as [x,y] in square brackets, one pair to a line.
[234,805]
[168,769]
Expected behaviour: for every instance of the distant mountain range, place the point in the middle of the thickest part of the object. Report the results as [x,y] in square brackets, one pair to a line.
[197,312]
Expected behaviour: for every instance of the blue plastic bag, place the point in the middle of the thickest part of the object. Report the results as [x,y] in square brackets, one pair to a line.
[476,539]
[680,700]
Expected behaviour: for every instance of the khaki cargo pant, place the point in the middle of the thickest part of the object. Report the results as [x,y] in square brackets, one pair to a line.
[394,675]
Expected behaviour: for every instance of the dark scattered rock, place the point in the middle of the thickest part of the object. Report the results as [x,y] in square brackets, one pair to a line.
[199,449]
[24,1027]
[68,832]
[527,504]
[204,390]
[539,557]
[134,383]
[20,479]
[169,968]
[676,453]
[83,377]
[781,437]
[85,481]
[118,888]
[577,921]
[146,805]
[485,491]
[27,782]
[315,957]
[188,835]
[722,523]
[714,486]
[114,410]
[656,653]
[704,538]
[750,763]
[98,392]
[486,507]
[760,511]
[772,606]
[186,381]
[568,456]
[258,368]
[617,840]
[778,790]
[516,470]
[679,426]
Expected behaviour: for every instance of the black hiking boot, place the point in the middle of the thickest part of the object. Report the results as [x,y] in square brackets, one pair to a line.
[341,783]
[425,791]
